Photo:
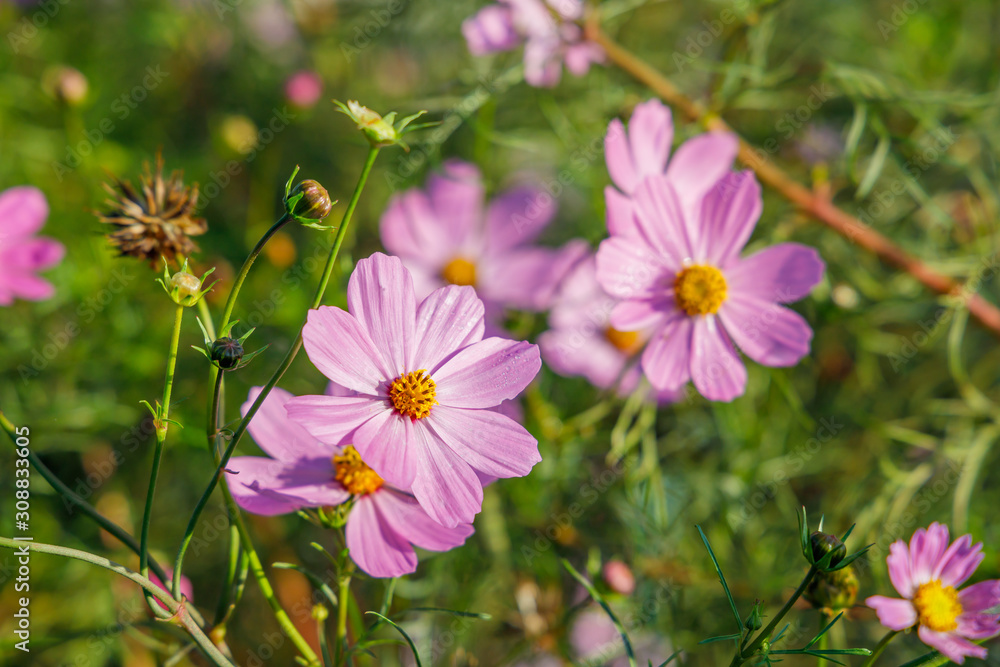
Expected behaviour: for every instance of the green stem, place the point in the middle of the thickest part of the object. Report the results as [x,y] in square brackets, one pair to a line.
[343,602]
[877,651]
[163,413]
[749,651]
[177,611]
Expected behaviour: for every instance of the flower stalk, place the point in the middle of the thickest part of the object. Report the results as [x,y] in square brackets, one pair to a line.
[883,643]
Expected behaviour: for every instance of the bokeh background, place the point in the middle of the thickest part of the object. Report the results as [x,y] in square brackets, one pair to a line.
[889,423]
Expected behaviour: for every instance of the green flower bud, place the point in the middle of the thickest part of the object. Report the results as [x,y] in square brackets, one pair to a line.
[754,621]
[836,591]
[187,286]
[227,353]
[823,544]
[315,202]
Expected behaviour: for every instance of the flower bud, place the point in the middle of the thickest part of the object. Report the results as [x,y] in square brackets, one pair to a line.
[755,620]
[227,353]
[619,577]
[315,202]
[823,544]
[835,590]
[185,285]
[377,129]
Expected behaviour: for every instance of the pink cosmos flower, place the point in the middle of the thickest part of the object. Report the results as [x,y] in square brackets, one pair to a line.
[550,32]
[23,211]
[675,263]
[644,149]
[927,575]
[304,88]
[444,236]
[581,340]
[426,381]
[384,523]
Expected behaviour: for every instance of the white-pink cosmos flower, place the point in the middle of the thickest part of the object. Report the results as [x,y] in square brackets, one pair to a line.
[426,382]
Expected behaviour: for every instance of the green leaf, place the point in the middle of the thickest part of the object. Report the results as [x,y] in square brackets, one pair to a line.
[315,580]
[594,593]
[874,169]
[722,580]
[400,631]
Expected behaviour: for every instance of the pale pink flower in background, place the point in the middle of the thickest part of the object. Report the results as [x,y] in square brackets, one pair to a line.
[644,149]
[384,523]
[304,88]
[427,384]
[595,640]
[581,340]
[549,30]
[927,575]
[445,235]
[679,273]
[618,576]
[23,211]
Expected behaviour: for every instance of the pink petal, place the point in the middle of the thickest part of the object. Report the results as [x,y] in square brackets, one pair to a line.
[275,433]
[959,562]
[527,278]
[664,222]
[980,597]
[340,347]
[486,373]
[950,645]
[978,626]
[666,361]
[404,515]
[445,485]
[33,254]
[23,210]
[374,545]
[542,68]
[486,440]
[640,314]
[386,444]
[333,419]
[618,156]
[268,487]
[650,134]
[729,213]
[570,352]
[782,273]
[26,286]
[893,613]
[581,55]
[769,334]
[456,195]
[926,549]
[627,268]
[516,218]
[697,166]
[716,369]
[490,30]
[899,569]
[620,214]
[380,295]
[448,320]
[411,229]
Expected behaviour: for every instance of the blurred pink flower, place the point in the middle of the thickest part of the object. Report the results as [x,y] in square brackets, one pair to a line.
[187,590]
[595,641]
[444,235]
[549,30]
[304,88]
[23,211]
[581,340]
[426,383]
[618,576]
[384,523]
[927,574]
[674,261]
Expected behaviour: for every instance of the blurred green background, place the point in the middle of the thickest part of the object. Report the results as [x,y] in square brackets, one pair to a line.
[889,423]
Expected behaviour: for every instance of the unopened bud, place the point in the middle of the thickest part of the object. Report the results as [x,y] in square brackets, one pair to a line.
[315,203]
[835,590]
[754,620]
[823,544]
[186,285]
[227,352]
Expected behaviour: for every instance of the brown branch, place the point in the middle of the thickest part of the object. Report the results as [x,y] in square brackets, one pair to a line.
[811,203]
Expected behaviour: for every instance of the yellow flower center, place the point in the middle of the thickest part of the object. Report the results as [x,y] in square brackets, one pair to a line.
[626,341]
[413,394]
[700,289]
[937,606]
[460,272]
[355,474]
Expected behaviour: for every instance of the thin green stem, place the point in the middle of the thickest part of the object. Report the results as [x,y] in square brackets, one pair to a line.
[883,643]
[343,602]
[178,611]
[163,414]
[749,651]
